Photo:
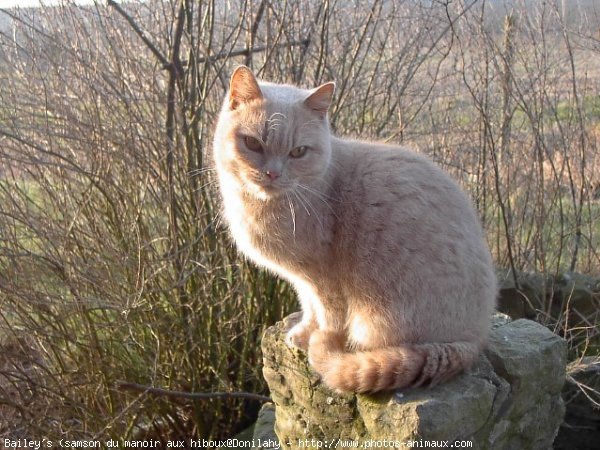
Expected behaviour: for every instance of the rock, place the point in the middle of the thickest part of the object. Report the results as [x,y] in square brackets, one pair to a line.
[264,435]
[581,291]
[569,298]
[533,294]
[581,392]
[509,399]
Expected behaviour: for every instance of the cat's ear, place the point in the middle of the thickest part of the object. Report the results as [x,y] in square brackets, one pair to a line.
[320,98]
[243,88]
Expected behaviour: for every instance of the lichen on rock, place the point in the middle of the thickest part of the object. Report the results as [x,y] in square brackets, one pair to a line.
[509,399]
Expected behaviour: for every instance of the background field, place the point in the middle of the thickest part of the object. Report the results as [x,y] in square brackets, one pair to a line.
[114,264]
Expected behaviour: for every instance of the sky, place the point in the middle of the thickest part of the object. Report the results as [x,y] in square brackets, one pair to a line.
[29,3]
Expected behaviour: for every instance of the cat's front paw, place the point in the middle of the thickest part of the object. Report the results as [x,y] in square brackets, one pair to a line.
[299,335]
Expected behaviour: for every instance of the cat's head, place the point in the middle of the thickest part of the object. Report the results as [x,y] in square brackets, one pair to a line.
[271,139]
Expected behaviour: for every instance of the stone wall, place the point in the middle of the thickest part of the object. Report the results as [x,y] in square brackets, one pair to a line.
[510,399]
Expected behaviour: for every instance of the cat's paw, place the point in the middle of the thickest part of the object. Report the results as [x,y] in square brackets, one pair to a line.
[299,336]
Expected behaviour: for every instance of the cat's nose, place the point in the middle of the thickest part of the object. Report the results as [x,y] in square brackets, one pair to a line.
[272,174]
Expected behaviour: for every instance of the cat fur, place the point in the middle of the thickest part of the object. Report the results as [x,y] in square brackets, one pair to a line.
[384,249]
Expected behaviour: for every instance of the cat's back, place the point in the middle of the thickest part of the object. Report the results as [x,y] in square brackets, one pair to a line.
[397,179]
[399,205]
[409,229]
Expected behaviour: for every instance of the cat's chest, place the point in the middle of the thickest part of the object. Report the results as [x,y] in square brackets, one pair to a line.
[280,239]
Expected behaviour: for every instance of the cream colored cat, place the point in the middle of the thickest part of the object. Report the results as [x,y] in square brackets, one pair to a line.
[384,249]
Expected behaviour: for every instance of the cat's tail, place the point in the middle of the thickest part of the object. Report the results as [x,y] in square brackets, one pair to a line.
[387,368]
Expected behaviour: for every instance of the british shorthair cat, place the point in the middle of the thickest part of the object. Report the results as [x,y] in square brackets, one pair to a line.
[384,249]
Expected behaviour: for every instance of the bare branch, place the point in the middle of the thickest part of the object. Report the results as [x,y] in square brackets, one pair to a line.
[159,392]
[140,33]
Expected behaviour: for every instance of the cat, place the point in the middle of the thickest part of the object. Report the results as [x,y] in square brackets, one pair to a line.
[384,249]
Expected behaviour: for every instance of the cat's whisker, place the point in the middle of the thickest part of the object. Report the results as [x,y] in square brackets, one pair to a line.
[319,197]
[293,213]
[275,124]
[312,207]
[319,193]
[201,170]
[301,202]
[205,185]
[275,116]
[219,217]
[218,221]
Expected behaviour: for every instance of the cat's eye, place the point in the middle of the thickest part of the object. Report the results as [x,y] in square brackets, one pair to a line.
[253,144]
[299,152]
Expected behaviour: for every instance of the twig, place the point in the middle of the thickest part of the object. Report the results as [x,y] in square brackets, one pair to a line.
[247,51]
[139,32]
[128,386]
[585,390]
[254,30]
[165,62]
